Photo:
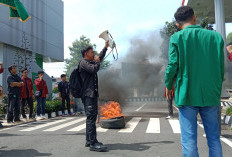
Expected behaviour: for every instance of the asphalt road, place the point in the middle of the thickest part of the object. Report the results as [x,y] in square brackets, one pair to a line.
[147,134]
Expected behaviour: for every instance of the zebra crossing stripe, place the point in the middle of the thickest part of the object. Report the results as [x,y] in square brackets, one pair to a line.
[45,125]
[100,129]
[65,125]
[229,103]
[78,128]
[175,126]
[153,126]
[223,104]
[130,126]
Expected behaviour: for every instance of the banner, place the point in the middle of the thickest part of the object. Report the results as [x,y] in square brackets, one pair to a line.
[17,9]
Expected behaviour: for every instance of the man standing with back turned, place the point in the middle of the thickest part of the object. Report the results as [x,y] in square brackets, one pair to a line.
[196,63]
[88,68]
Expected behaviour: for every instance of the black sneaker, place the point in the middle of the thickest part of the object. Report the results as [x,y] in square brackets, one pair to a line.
[87,144]
[17,121]
[98,147]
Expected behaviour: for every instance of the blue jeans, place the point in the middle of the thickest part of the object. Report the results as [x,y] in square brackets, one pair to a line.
[78,105]
[188,124]
[41,106]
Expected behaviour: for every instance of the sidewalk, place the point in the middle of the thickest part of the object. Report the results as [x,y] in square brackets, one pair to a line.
[25,121]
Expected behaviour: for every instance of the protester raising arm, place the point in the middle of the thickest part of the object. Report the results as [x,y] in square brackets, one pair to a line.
[103,52]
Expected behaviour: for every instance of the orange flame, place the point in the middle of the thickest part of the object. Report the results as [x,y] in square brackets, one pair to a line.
[111,110]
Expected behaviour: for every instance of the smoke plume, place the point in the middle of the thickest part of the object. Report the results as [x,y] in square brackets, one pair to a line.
[140,70]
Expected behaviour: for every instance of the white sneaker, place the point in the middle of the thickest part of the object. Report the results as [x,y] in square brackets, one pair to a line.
[169,117]
[38,117]
[24,119]
[43,117]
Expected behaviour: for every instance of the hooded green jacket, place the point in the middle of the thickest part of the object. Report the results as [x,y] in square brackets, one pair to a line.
[196,62]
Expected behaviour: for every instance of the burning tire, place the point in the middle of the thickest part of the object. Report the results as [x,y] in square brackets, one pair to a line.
[114,123]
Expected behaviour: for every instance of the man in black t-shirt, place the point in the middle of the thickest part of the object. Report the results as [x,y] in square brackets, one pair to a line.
[64,93]
[14,83]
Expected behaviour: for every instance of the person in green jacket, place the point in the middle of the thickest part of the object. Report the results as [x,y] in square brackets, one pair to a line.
[196,63]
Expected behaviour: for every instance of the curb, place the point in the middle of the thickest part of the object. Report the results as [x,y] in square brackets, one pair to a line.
[227,120]
[47,115]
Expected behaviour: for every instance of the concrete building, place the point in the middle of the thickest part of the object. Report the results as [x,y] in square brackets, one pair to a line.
[39,40]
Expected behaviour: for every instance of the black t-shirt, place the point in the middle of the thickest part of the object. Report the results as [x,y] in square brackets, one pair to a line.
[13,90]
[63,88]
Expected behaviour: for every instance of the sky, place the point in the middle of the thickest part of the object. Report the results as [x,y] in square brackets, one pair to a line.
[123,18]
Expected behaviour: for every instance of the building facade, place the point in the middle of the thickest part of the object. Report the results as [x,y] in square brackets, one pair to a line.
[29,44]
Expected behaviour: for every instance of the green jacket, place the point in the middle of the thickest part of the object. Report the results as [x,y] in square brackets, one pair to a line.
[196,62]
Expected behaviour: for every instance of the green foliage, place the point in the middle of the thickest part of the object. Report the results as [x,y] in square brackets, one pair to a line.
[166,32]
[3,108]
[229,111]
[51,106]
[205,24]
[169,29]
[229,38]
[5,99]
[55,90]
[76,56]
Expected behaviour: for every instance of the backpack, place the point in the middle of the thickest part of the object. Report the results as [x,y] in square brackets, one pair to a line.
[75,83]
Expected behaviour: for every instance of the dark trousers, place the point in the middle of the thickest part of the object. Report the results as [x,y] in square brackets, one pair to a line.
[170,107]
[13,108]
[67,99]
[24,102]
[41,101]
[91,111]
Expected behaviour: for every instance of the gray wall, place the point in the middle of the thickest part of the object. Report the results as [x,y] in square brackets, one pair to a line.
[44,30]
[9,52]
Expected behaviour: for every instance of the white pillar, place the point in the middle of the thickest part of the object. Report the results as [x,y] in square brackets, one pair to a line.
[220,17]
[221,28]
[135,92]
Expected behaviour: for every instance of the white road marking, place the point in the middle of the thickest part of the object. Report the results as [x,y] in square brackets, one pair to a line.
[78,128]
[5,129]
[65,125]
[45,125]
[175,126]
[100,129]
[140,107]
[225,140]
[153,126]
[130,126]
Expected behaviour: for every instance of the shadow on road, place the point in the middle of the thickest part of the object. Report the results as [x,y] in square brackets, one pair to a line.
[5,135]
[134,146]
[22,153]
[75,134]
[227,136]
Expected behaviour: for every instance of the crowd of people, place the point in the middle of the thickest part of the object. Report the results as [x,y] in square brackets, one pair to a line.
[21,94]
[195,69]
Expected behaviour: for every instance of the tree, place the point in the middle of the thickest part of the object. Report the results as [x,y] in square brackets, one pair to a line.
[205,24]
[76,56]
[170,28]
[166,32]
[229,38]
